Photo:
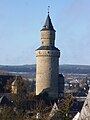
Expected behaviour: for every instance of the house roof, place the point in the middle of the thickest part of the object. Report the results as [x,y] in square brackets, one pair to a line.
[85,112]
[14,83]
[76,116]
[4,101]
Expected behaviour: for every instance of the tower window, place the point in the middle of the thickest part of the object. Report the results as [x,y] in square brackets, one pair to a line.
[39,52]
[42,42]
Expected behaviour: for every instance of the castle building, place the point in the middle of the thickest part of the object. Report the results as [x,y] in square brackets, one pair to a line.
[47,62]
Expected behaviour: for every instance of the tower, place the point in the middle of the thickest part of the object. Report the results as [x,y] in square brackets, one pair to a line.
[47,62]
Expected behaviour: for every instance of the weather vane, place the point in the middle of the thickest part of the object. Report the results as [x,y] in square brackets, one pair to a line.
[48,9]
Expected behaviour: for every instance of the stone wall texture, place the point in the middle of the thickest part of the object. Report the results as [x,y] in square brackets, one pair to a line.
[47,62]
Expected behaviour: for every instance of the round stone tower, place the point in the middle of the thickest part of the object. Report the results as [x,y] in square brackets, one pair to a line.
[47,62]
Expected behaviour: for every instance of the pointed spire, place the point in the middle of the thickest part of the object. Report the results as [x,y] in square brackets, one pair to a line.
[48,24]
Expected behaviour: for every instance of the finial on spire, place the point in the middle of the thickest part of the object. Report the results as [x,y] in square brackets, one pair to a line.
[48,9]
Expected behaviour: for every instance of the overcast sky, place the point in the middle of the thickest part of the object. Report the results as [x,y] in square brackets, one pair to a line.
[22,20]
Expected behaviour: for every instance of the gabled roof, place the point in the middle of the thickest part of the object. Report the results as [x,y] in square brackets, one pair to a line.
[48,24]
[1,99]
[14,83]
[85,112]
[76,116]
[54,110]
[4,101]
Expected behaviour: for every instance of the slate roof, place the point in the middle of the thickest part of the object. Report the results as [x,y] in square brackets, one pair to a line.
[4,101]
[48,24]
[48,48]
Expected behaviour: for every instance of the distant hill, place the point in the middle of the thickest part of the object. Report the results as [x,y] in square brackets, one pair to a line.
[18,68]
[82,69]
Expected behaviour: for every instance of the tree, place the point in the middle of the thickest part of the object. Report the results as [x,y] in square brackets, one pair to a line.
[9,114]
[64,107]
[20,99]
